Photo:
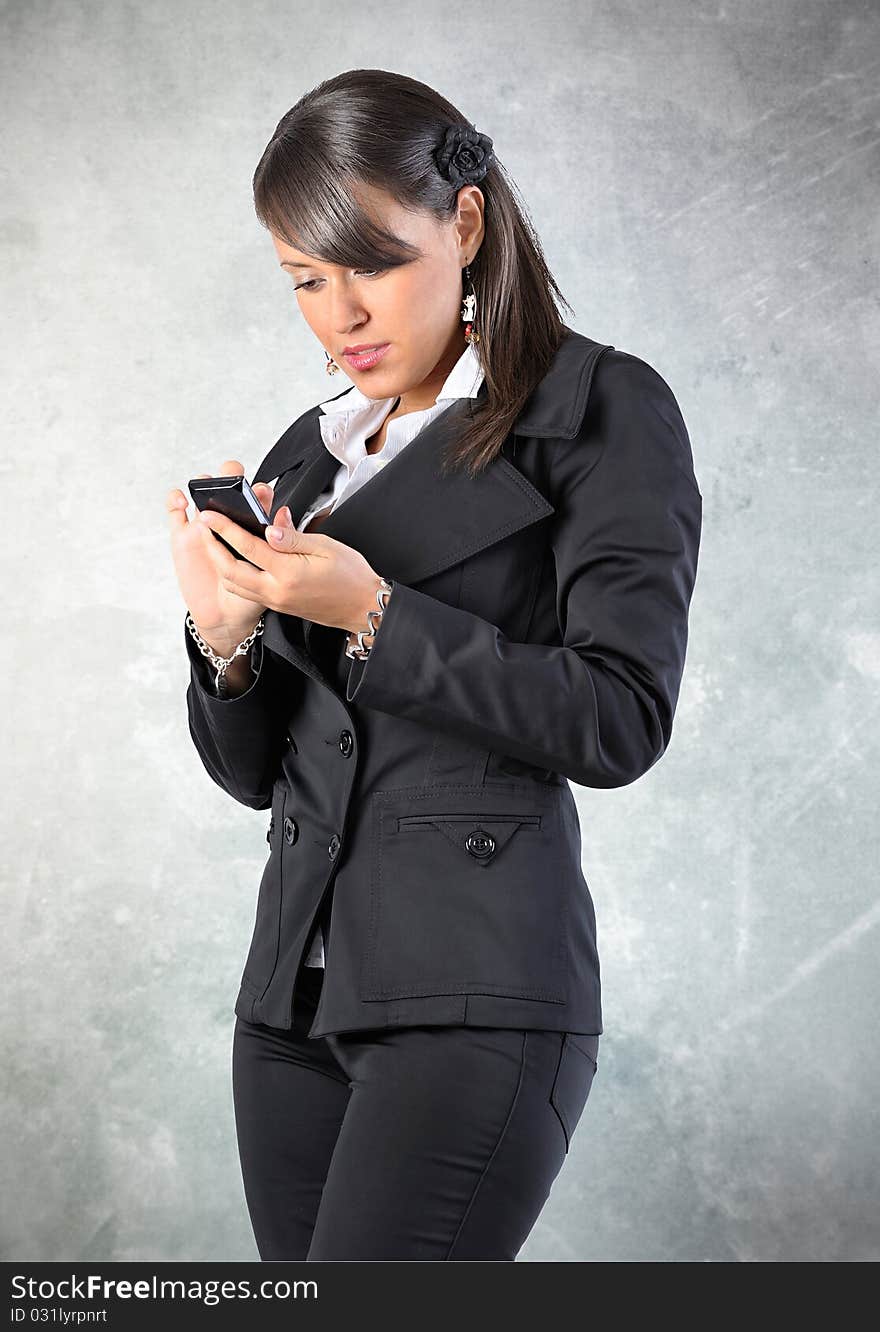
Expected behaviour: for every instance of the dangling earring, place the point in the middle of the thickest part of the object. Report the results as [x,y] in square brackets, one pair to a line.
[469,309]
[331,367]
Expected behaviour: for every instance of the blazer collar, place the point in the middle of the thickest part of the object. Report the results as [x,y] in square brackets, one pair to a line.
[555,407]
[409,521]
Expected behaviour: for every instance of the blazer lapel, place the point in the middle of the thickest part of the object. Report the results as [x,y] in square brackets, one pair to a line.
[411,521]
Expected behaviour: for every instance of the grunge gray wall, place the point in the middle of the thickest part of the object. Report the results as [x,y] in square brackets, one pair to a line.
[704,178]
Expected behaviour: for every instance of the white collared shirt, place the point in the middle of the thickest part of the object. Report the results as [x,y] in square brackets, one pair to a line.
[347,424]
[349,421]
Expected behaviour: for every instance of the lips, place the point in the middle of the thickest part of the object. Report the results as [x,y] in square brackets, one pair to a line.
[364,360]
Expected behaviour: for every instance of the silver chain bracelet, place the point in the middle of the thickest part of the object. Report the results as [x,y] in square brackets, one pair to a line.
[220,664]
[360,651]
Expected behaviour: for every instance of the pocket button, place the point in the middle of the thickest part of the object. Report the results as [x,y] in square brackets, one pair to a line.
[480,844]
[291,831]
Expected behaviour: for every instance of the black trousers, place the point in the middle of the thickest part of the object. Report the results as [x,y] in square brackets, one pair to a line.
[420,1143]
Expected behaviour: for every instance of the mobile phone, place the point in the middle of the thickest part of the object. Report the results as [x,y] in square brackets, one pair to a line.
[233,497]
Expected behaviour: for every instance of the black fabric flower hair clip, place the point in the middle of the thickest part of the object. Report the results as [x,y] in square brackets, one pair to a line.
[464,156]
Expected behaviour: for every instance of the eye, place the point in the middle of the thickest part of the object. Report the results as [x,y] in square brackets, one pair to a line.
[366,272]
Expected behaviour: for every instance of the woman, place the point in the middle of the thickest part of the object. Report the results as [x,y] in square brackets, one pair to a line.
[475,591]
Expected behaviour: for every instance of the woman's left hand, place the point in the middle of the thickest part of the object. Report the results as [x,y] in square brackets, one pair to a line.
[300,573]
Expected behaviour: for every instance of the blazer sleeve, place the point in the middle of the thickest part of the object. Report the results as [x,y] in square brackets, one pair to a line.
[625,538]
[240,740]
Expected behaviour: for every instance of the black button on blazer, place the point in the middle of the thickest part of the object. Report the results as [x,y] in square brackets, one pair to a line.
[535,637]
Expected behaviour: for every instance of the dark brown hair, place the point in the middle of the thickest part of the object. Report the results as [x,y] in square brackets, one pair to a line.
[382,128]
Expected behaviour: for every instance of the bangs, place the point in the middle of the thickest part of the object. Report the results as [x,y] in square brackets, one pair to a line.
[314,206]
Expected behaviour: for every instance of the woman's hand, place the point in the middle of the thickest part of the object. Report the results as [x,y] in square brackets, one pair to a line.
[222,617]
[300,573]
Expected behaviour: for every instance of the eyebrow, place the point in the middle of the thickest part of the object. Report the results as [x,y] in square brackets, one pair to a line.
[286,263]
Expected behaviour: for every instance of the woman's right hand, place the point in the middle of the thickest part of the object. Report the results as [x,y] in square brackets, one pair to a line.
[223,618]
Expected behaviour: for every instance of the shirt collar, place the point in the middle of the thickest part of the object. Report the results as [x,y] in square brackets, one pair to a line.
[463,381]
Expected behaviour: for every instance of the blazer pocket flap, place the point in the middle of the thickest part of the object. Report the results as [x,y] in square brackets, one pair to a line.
[480,839]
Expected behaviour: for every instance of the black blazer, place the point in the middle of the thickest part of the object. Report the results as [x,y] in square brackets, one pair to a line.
[535,636]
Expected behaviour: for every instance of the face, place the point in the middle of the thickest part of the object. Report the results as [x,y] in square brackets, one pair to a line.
[415,308]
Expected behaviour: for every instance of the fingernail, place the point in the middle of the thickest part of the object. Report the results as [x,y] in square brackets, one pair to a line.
[275,532]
